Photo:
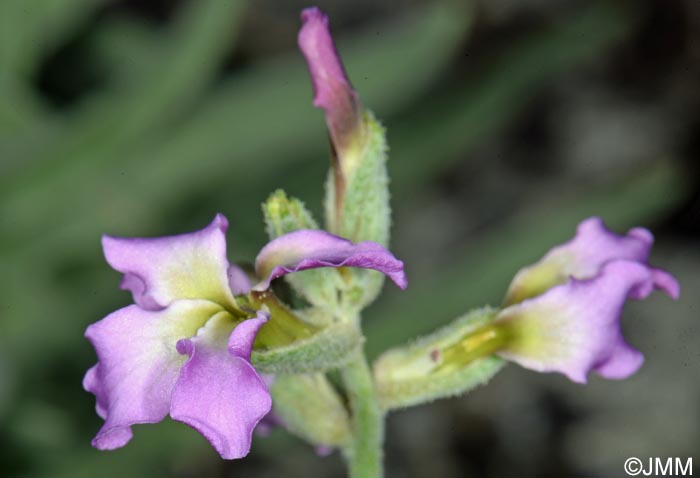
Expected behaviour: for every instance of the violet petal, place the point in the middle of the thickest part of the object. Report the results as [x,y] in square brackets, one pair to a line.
[187,266]
[310,248]
[218,392]
[238,280]
[580,258]
[138,364]
[575,327]
[332,90]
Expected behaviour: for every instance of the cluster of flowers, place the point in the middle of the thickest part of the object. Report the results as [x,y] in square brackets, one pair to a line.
[184,347]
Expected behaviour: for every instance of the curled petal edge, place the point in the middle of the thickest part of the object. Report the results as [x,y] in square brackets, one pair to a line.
[310,249]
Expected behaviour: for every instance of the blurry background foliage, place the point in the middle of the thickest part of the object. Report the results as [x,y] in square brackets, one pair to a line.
[509,122]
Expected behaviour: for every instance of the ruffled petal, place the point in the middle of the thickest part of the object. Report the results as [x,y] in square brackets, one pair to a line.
[309,249]
[575,327]
[580,258]
[93,383]
[622,363]
[218,392]
[161,270]
[667,283]
[137,287]
[332,89]
[138,364]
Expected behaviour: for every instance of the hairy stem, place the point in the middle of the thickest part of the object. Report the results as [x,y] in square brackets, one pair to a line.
[364,454]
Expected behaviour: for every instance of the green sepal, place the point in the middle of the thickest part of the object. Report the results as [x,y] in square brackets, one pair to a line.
[357,188]
[317,286]
[330,347]
[311,408]
[428,369]
[357,204]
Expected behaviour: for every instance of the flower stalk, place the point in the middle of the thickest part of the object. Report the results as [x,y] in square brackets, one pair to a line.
[364,454]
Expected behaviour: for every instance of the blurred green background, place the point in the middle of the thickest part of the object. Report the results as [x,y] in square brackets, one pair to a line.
[509,122]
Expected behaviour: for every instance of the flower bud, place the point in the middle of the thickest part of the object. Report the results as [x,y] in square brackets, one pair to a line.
[357,201]
[309,406]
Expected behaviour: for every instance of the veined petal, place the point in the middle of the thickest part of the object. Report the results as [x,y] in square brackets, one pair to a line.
[575,327]
[138,364]
[161,270]
[332,89]
[218,392]
[309,249]
[580,258]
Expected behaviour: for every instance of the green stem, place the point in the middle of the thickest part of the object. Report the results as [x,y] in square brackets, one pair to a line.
[364,454]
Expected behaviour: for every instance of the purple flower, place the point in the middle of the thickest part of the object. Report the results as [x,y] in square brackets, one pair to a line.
[184,347]
[563,313]
[583,257]
[332,89]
